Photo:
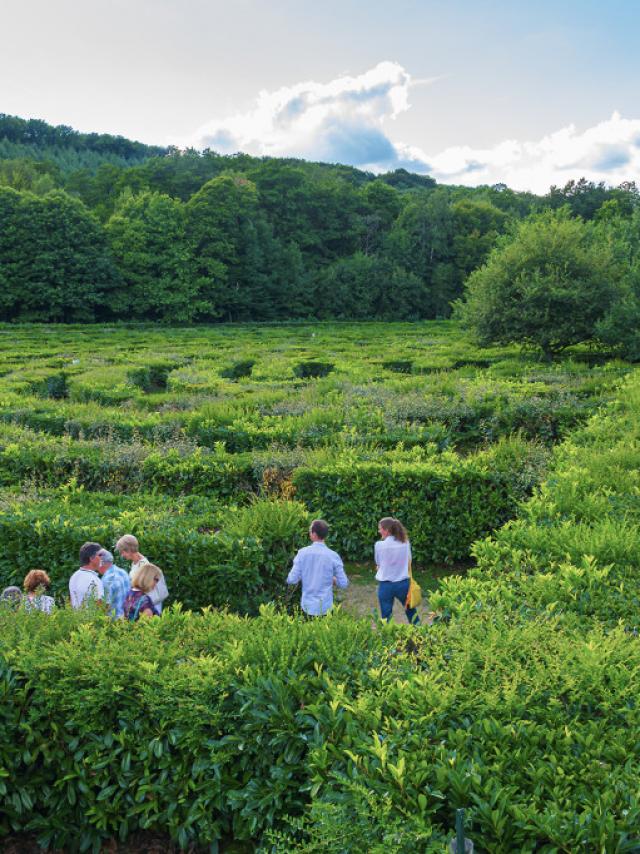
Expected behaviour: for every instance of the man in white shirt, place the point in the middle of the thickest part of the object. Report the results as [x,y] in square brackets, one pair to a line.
[319,568]
[85,584]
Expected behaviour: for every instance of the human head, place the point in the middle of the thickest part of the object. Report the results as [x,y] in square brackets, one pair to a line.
[146,577]
[89,555]
[11,594]
[318,530]
[392,527]
[106,560]
[127,546]
[35,579]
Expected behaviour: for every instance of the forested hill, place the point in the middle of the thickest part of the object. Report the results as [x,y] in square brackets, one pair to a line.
[67,148]
[97,227]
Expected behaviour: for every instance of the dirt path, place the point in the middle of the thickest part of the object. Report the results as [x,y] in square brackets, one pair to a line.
[361,599]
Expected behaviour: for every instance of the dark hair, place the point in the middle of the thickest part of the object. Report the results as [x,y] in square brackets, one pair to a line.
[395,528]
[320,528]
[88,551]
[34,579]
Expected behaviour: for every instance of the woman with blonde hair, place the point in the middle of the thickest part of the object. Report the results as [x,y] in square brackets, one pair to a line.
[138,601]
[392,555]
[129,548]
[35,584]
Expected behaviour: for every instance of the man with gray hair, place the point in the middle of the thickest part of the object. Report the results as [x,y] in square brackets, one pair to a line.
[115,582]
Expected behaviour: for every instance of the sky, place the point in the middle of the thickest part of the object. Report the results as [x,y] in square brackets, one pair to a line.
[524,93]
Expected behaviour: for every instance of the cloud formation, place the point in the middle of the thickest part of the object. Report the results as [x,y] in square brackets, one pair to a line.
[343,121]
[609,152]
[348,120]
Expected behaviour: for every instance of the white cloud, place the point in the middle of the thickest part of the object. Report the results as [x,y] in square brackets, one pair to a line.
[341,121]
[609,152]
[347,121]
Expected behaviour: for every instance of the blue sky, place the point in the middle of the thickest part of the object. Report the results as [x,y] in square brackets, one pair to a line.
[472,92]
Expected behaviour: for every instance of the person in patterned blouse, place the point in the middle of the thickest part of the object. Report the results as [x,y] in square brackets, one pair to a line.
[138,602]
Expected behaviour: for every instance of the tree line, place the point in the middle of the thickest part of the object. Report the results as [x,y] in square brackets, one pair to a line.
[190,237]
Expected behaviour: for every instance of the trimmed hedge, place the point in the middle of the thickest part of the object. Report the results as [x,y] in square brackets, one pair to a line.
[331,735]
[445,505]
[211,726]
[576,546]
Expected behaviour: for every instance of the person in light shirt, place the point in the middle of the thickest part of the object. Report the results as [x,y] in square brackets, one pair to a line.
[115,581]
[36,584]
[392,555]
[319,568]
[85,585]
[129,548]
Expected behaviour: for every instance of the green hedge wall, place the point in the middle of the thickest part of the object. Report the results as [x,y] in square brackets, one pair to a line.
[520,705]
[206,727]
[445,505]
[575,547]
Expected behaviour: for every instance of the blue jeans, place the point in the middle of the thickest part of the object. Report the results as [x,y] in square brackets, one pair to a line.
[390,590]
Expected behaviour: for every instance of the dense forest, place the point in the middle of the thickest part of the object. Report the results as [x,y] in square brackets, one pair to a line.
[96,227]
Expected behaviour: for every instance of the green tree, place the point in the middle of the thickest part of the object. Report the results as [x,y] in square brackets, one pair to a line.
[619,329]
[148,241]
[421,242]
[585,198]
[546,286]
[381,205]
[217,228]
[477,225]
[368,286]
[54,260]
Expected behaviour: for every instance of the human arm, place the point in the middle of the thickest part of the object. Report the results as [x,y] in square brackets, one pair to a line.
[147,607]
[295,574]
[339,575]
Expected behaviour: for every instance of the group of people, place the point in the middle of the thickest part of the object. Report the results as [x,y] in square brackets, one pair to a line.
[320,569]
[126,595]
[142,590]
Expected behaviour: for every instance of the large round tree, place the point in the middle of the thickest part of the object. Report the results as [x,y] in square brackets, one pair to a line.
[547,285]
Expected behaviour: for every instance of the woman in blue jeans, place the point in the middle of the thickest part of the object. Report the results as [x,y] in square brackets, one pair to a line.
[392,556]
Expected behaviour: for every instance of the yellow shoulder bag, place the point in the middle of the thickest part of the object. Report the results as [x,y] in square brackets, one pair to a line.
[414,596]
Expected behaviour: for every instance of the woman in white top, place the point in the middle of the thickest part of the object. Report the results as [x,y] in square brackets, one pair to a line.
[35,584]
[129,548]
[393,556]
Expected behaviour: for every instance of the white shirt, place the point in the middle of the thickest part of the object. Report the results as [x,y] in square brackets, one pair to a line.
[83,585]
[136,566]
[392,559]
[316,566]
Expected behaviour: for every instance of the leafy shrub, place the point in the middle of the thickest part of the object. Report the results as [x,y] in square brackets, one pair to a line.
[328,732]
[54,387]
[238,370]
[204,564]
[576,546]
[308,370]
[398,366]
[151,378]
[445,504]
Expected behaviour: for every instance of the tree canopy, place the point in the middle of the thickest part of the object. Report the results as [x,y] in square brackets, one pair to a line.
[189,236]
